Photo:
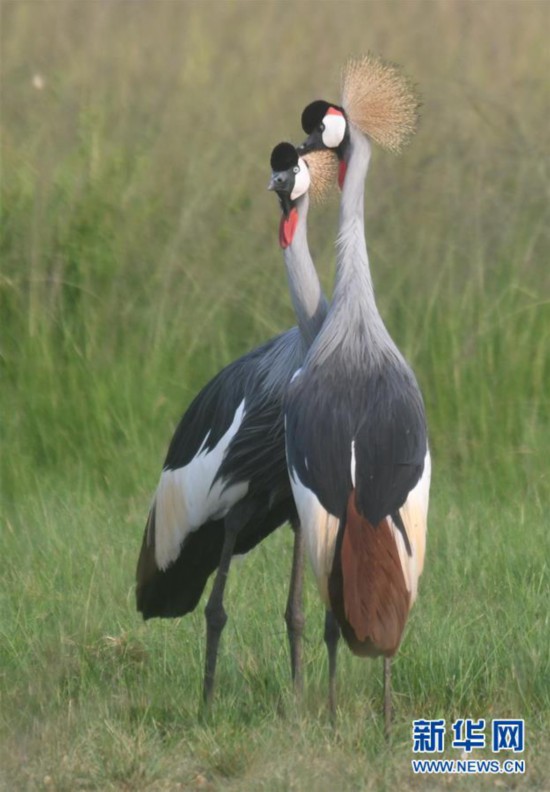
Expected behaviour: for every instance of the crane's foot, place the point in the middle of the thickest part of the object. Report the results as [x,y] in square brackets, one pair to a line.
[294,616]
[332,636]
[216,619]
[295,628]
[387,699]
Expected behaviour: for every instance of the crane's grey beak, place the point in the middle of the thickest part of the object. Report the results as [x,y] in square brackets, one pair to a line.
[279,181]
[313,142]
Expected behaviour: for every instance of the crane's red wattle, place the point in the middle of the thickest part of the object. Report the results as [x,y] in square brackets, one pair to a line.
[287,228]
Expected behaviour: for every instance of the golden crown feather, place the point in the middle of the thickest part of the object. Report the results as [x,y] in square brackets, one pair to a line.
[323,167]
[380,101]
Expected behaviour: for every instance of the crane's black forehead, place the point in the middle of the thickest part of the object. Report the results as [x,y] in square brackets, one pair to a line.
[313,115]
[283,157]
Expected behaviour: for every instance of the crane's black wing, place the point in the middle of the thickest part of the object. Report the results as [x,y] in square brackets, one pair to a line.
[213,409]
[381,413]
[255,455]
[257,451]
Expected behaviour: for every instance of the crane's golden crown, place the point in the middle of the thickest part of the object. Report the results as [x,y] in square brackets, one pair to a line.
[380,101]
[323,168]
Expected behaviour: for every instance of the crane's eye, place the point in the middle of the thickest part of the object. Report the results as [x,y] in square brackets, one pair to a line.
[321,127]
[296,169]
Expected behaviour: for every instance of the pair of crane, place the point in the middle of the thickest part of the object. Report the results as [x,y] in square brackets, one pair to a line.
[323,426]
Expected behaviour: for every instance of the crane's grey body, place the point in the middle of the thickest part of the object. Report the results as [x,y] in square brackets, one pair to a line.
[356,432]
[224,485]
[182,547]
[230,441]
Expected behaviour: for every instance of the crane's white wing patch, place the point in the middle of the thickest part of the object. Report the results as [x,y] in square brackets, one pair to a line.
[320,529]
[352,469]
[187,497]
[414,514]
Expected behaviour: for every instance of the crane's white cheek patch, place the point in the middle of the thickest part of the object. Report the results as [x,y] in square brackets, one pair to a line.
[301,182]
[335,129]
[320,529]
[414,514]
[186,498]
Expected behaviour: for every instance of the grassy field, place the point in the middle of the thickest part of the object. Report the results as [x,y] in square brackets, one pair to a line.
[139,254]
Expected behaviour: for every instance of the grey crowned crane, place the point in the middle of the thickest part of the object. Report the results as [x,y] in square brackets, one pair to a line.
[224,485]
[355,425]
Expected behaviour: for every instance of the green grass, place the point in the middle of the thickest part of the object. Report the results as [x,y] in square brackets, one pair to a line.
[98,700]
[139,254]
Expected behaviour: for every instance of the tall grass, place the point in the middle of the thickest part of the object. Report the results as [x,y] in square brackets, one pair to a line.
[139,255]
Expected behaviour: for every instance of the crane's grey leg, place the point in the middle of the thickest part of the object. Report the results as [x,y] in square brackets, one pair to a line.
[387,698]
[215,614]
[294,615]
[332,636]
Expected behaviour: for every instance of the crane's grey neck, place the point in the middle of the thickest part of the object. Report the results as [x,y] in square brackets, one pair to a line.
[353,277]
[354,324]
[310,304]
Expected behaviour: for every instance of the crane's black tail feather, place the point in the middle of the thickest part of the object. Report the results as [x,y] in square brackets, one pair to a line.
[175,591]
